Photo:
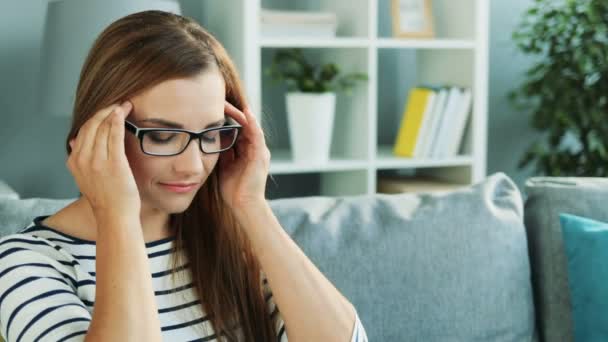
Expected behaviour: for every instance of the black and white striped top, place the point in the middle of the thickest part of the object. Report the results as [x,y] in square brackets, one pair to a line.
[47,290]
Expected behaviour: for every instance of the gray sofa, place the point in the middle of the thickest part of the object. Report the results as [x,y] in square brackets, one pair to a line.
[484,263]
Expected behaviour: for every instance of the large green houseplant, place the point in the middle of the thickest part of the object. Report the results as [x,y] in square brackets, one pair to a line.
[310,101]
[566,89]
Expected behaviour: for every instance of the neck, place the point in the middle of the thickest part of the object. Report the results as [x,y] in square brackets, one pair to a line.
[154,223]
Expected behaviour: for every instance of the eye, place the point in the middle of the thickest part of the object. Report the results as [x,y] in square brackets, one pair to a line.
[161,137]
[210,136]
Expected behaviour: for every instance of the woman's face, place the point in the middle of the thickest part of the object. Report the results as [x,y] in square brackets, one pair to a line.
[191,103]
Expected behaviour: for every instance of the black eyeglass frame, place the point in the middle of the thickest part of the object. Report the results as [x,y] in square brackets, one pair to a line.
[140,132]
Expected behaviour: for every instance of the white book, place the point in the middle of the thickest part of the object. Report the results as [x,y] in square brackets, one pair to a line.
[438,109]
[460,120]
[425,126]
[298,30]
[297,17]
[445,122]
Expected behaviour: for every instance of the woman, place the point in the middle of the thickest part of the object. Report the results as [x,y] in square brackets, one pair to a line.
[172,166]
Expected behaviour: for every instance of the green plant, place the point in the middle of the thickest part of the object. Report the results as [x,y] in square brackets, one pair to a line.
[566,90]
[291,66]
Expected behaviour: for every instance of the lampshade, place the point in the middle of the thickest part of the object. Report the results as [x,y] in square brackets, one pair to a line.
[71,28]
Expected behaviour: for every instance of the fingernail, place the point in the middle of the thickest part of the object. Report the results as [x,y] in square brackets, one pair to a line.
[126,104]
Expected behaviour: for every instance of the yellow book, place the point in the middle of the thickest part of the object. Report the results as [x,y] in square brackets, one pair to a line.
[411,122]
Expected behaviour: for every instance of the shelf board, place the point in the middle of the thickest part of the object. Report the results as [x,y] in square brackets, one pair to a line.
[337,42]
[281,163]
[386,160]
[425,43]
[388,43]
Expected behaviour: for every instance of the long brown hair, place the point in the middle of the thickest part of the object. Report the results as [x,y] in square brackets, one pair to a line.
[139,51]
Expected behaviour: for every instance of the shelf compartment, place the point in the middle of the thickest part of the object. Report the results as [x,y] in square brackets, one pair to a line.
[342,183]
[350,135]
[451,19]
[353,16]
[401,70]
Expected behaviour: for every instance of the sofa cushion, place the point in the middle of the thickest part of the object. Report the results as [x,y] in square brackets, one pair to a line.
[18,213]
[546,198]
[424,267]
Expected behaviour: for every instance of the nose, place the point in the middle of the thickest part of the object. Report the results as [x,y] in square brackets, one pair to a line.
[190,161]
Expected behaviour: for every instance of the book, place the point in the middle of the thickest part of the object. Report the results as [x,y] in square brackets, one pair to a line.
[423,135]
[438,110]
[417,105]
[297,17]
[426,124]
[439,141]
[287,24]
[460,119]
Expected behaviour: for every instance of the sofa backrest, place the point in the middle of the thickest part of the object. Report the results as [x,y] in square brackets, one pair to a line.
[418,267]
[18,213]
[546,198]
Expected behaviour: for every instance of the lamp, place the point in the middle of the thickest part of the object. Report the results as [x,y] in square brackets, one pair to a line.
[71,28]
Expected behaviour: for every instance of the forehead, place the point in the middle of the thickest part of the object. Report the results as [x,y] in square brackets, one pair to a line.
[192,102]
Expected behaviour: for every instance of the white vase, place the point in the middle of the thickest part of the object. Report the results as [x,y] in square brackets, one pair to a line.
[310,118]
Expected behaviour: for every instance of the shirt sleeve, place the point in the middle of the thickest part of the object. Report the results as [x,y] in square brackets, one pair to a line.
[359,334]
[38,299]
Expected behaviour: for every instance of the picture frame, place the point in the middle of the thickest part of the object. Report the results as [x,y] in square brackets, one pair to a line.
[412,18]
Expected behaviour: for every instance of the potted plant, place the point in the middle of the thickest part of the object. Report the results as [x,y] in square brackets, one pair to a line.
[566,89]
[310,101]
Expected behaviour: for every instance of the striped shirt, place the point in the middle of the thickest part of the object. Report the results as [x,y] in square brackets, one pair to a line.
[47,290]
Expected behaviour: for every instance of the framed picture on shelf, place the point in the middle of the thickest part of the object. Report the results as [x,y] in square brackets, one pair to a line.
[412,18]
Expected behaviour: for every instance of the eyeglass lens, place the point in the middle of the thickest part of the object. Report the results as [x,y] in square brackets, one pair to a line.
[167,142]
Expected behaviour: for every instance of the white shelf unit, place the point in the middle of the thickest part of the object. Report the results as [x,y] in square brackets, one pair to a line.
[367,123]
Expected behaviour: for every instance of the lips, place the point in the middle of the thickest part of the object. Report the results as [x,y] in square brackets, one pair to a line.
[180,184]
[179,187]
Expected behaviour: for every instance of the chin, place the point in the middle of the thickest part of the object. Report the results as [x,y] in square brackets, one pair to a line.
[177,206]
[170,205]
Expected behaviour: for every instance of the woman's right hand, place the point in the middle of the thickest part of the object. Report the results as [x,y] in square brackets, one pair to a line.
[100,167]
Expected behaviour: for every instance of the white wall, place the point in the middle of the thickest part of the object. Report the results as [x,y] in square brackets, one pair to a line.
[509,132]
[32,154]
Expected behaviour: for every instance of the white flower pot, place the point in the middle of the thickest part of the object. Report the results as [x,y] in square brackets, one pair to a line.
[310,119]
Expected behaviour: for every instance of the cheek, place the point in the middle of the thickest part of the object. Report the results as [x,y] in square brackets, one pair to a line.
[211,162]
[142,166]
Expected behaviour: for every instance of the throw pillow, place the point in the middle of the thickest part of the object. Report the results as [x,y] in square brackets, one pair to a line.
[586,246]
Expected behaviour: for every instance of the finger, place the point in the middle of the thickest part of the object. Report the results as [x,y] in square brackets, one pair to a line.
[116,142]
[246,119]
[255,125]
[100,147]
[88,131]
[235,113]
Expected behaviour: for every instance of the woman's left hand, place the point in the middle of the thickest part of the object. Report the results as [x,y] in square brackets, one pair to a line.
[244,168]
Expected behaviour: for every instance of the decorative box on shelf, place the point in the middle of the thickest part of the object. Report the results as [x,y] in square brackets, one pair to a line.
[394,185]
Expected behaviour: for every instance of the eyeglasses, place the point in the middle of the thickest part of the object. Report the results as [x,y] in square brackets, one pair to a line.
[173,141]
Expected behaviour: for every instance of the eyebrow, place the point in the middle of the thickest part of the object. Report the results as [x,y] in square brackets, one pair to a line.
[172,124]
